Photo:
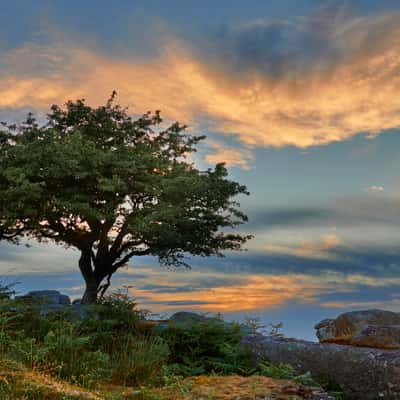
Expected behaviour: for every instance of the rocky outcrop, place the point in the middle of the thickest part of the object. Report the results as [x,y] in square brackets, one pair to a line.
[45,297]
[378,336]
[53,302]
[48,301]
[363,373]
[369,328]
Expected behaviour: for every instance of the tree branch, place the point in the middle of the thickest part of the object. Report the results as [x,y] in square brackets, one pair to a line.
[118,241]
[103,288]
[128,256]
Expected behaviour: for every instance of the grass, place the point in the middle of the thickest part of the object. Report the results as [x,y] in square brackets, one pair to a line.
[19,382]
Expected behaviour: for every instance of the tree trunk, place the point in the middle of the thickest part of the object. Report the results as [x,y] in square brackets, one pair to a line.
[90,295]
[94,272]
[89,275]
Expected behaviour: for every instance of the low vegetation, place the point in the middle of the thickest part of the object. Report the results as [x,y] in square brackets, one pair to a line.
[107,354]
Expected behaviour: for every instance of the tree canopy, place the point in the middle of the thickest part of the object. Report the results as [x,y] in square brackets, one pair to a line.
[114,187]
[11,228]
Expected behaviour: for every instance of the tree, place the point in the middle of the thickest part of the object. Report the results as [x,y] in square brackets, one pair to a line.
[10,228]
[114,188]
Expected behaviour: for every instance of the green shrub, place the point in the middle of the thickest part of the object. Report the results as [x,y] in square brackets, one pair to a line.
[26,319]
[7,325]
[277,371]
[115,314]
[205,346]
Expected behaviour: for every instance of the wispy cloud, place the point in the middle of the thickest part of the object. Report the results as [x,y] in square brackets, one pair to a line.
[376,188]
[320,248]
[38,259]
[346,211]
[387,305]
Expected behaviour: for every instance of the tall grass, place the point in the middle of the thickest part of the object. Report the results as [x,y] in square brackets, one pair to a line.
[138,360]
[103,346]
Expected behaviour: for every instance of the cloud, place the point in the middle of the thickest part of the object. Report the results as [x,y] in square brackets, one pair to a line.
[253,281]
[376,188]
[290,216]
[38,259]
[307,249]
[305,82]
[392,305]
[233,157]
[351,212]
[253,292]
[256,291]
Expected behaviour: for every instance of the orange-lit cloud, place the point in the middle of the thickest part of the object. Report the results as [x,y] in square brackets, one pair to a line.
[247,292]
[211,290]
[233,157]
[254,292]
[357,91]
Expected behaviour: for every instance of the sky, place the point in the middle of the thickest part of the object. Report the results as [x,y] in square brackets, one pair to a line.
[299,97]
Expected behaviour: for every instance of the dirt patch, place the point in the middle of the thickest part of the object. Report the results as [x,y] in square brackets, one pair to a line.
[234,388]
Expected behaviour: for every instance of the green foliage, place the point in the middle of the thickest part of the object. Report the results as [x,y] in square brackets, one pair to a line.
[104,346]
[277,371]
[286,371]
[208,346]
[120,308]
[172,380]
[332,387]
[114,187]
[113,315]
[64,354]
[137,361]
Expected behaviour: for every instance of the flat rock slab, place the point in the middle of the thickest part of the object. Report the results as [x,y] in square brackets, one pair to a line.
[363,373]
